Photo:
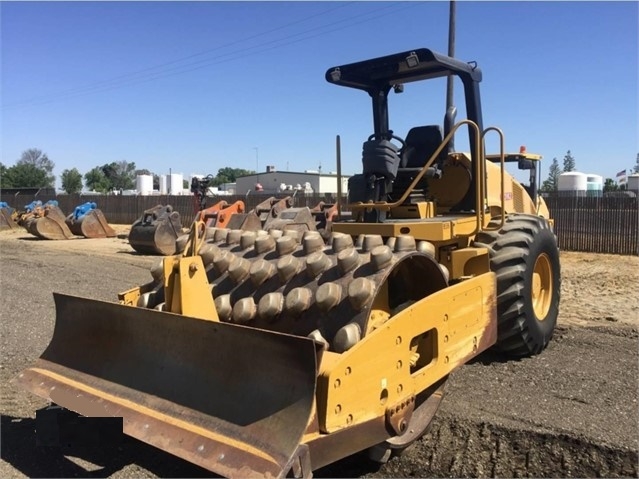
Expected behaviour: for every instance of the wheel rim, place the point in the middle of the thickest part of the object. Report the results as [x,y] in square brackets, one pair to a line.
[542,286]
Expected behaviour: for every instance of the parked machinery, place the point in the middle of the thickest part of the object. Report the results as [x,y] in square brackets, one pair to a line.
[274,353]
[7,216]
[156,231]
[88,221]
[45,221]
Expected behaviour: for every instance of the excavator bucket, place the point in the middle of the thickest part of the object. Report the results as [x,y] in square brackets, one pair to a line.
[50,226]
[232,399]
[220,213]
[6,218]
[268,210]
[156,231]
[91,224]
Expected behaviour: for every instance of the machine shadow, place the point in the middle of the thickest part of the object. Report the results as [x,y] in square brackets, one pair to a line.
[19,448]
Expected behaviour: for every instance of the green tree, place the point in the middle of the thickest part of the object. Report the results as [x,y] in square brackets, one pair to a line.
[635,169]
[121,174]
[552,183]
[229,175]
[569,162]
[610,185]
[96,180]
[23,175]
[3,180]
[39,160]
[71,181]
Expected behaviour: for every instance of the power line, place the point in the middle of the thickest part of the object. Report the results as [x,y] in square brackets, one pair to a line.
[126,76]
[147,74]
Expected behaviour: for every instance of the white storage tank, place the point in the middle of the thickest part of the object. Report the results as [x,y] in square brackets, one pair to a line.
[633,182]
[572,183]
[144,184]
[163,185]
[594,186]
[175,183]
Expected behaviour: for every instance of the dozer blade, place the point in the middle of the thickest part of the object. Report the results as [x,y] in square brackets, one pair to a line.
[232,399]
[51,226]
[92,225]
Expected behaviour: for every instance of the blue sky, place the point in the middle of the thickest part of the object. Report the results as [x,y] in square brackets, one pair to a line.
[196,86]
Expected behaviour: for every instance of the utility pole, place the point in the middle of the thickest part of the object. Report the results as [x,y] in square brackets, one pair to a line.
[450,107]
[451,53]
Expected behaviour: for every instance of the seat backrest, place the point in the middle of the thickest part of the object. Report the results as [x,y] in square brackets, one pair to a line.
[421,143]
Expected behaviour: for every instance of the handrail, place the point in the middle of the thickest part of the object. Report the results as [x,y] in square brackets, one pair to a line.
[197,237]
[502,159]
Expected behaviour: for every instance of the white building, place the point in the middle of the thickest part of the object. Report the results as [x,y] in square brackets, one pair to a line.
[273,181]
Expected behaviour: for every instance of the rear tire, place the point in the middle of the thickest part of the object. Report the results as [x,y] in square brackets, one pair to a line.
[525,257]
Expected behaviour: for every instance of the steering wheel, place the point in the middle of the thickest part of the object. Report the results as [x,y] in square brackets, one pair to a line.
[393,136]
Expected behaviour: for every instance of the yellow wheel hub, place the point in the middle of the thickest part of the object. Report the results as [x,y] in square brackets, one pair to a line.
[542,286]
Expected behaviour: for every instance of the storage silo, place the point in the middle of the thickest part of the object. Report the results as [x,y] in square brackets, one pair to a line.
[633,182]
[144,184]
[594,185]
[175,183]
[163,186]
[572,183]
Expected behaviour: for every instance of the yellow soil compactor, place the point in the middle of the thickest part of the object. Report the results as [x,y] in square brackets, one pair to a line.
[275,352]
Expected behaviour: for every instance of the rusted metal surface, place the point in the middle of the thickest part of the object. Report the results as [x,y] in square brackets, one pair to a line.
[328,448]
[156,231]
[272,207]
[425,407]
[299,219]
[6,219]
[234,400]
[220,213]
[50,226]
[92,225]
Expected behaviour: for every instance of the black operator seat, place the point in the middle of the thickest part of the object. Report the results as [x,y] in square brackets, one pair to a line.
[420,144]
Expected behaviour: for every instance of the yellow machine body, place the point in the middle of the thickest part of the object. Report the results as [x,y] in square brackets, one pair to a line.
[273,352]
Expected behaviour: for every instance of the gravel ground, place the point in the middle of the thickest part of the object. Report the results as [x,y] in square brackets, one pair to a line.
[569,412]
